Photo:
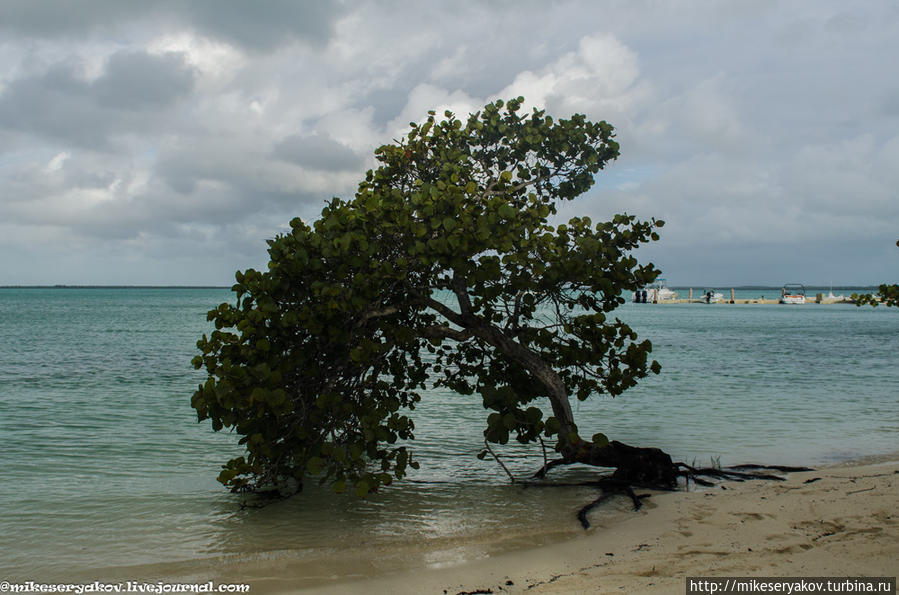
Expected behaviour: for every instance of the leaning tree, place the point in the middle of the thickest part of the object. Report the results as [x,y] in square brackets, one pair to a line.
[443,270]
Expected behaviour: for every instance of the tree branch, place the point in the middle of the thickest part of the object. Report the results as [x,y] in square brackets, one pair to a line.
[441,331]
[513,189]
[379,313]
[501,464]
[446,311]
[461,291]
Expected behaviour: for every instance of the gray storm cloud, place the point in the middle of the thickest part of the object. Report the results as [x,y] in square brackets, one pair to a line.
[62,103]
[138,135]
[256,26]
[317,152]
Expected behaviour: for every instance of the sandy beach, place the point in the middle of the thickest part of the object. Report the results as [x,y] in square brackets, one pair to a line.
[836,521]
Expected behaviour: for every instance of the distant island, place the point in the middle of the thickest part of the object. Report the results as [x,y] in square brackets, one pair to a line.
[59,286]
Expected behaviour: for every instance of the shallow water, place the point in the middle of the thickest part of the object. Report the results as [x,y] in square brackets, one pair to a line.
[103,464]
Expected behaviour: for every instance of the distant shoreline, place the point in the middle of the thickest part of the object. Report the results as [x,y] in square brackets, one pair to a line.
[778,287]
[678,287]
[115,287]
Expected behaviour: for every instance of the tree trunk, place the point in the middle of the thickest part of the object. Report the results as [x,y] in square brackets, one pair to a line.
[648,467]
[540,370]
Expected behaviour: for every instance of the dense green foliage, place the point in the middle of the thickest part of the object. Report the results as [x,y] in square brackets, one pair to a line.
[443,269]
[886,294]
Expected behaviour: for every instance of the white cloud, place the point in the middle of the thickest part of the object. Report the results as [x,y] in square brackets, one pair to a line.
[452,66]
[213,59]
[425,97]
[600,79]
[56,163]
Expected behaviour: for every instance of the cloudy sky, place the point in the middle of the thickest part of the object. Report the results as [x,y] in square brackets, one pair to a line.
[164,142]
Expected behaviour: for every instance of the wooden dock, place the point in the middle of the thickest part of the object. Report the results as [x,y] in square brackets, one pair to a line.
[755,301]
[816,299]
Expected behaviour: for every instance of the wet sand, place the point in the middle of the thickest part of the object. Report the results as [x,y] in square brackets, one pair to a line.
[834,521]
[838,521]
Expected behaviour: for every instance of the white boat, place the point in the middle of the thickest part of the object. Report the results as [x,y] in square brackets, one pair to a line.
[835,298]
[712,297]
[655,293]
[792,293]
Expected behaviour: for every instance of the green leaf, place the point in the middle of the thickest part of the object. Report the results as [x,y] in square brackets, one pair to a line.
[552,426]
[507,211]
[600,440]
[314,465]
[533,414]
[362,488]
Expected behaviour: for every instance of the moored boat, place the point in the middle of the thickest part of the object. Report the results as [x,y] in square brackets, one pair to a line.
[792,293]
[655,293]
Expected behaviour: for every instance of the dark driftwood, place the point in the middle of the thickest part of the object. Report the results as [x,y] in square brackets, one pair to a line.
[781,468]
[610,488]
[649,467]
[646,468]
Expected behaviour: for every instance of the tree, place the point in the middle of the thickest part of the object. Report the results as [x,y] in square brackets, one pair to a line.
[886,294]
[446,249]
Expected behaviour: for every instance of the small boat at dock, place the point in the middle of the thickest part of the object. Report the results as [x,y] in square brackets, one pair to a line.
[792,293]
[655,293]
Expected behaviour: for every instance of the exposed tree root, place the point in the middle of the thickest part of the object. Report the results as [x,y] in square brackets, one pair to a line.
[610,487]
[694,473]
[771,467]
[497,459]
[649,468]
[541,473]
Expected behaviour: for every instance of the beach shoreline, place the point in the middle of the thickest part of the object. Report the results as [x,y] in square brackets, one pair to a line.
[838,520]
[833,521]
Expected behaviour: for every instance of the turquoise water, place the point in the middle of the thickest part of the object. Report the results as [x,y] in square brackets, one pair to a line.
[103,465]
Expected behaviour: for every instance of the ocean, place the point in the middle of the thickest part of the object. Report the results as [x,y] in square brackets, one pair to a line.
[104,470]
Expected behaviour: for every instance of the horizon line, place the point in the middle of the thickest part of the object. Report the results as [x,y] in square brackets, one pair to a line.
[172,286]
